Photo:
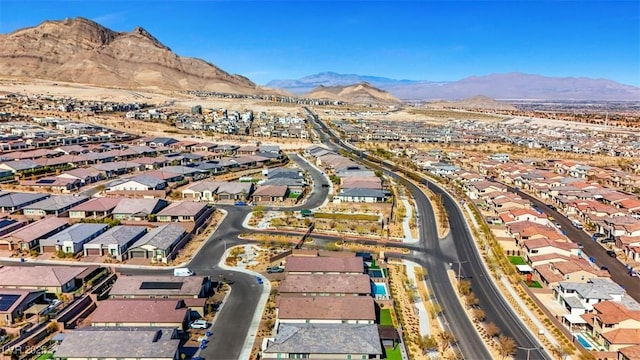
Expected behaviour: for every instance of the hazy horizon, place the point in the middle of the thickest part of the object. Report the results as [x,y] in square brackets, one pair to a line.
[413,40]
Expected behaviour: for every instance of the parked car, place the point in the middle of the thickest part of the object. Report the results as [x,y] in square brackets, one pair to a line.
[551,218]
[580,246]
[275,269]
[611,253]
[608,240]
[240,203]
[605,268]
[599,235]
[325,185]
[551,207]
[634,273]
[558,225]
[199,324]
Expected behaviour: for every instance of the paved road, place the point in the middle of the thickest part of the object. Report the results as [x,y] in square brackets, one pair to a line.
[234,320]
[618,271]
[462,248]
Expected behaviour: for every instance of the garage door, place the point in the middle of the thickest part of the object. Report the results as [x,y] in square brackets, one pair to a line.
[4,246]
[138,254]
[93,252]
[49,248]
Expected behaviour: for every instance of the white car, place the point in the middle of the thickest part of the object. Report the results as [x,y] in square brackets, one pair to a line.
[199,324]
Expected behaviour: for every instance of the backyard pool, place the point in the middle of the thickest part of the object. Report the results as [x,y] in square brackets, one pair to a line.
[583,341]
[380,291]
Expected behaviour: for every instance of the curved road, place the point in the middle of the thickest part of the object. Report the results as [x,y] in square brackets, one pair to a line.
[460,245]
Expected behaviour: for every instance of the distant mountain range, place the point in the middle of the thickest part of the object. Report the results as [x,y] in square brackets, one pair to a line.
[511,86]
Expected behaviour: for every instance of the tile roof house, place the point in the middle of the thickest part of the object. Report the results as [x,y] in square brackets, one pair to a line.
[114,242]
[138,343]
[324,341]
[629,353]
[14,201]
[159,244]
[326,309]
[96,208]
[182,211]
[324,265]
[72,239]
[325,285]
[55,205]
[53,279]
[270,193]
[138,209]
[166,313]
[617,339]
[53,183]
[27,237]
[14,303]
[160,287]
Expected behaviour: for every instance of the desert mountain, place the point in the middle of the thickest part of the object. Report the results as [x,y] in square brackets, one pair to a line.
[308,83]
[478,102]
[362,93]
[82,51]
[498,86]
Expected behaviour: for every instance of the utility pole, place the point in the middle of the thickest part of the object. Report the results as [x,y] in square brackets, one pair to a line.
[528,350]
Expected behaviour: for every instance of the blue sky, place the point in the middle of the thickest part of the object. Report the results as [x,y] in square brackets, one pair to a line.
[417,40]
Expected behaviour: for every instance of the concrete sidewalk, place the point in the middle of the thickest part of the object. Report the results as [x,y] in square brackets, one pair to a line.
[423,314]
[408,236]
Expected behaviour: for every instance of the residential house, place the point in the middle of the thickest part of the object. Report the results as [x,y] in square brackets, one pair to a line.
[98,343]
[165,313]
[96,208]
[326,309]
[138,209]
[294,186]
[202,191]
[325,285]
[579,298]
[16,303]
[114,242]
[143,182]
[536,247]
[159,244]
[360,195]
[52,279]
[182,211]
[629,353]
[270,193]
[9,225]
[72,239]
[155,287]
[324,265]
[85,175]
[112,169]
[14,201]
[161,142]
[234,191]
[20,166]
[284,173]
[53,183]
[57,205]
[616,340]
[610,316]
[324,341]
[28,237]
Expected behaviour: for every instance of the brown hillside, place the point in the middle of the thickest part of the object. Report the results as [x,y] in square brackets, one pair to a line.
[82,51]
[478,102]
[362,93]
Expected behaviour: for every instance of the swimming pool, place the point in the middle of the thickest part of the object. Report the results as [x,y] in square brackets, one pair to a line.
[380,291]
[583,341]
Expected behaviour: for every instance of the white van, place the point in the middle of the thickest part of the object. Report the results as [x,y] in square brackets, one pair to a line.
[183,272]
[577,224]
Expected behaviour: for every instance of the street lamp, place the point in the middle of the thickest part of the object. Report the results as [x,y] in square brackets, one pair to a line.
[459,267]
[528,350]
